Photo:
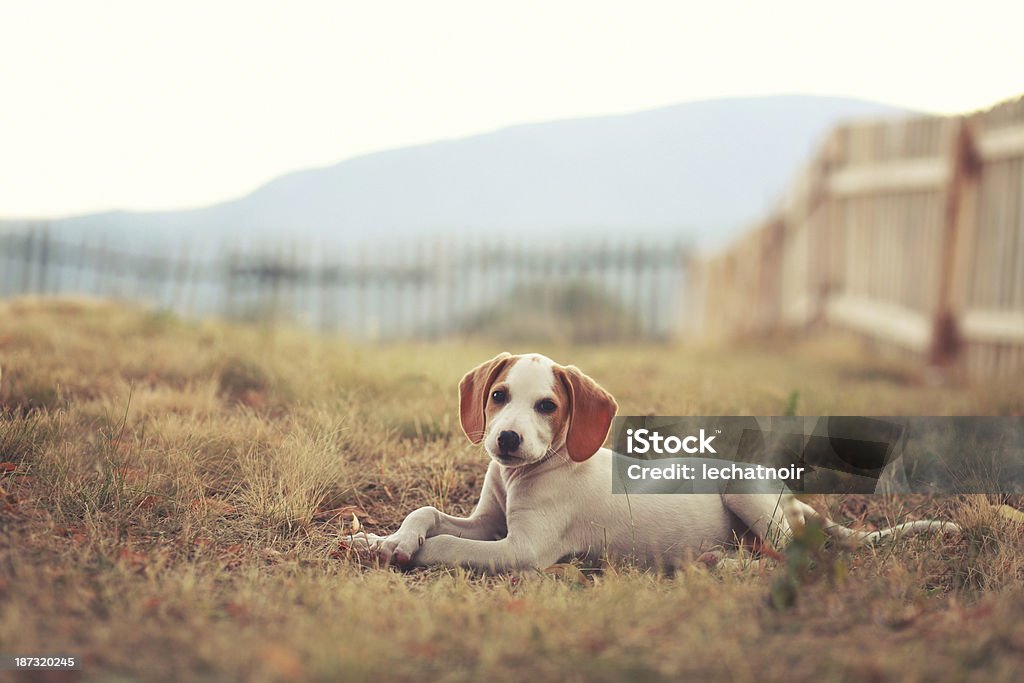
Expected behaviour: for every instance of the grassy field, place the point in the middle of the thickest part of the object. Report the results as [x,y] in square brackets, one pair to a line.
[173,495]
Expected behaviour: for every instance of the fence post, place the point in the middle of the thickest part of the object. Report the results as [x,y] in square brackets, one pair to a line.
[957,238]
[6,256]
[44,260]
[27,249]
[230,273]
[318,279]
[177,295]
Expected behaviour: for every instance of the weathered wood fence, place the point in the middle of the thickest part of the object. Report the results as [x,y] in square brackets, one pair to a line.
[413,290]
[909,232]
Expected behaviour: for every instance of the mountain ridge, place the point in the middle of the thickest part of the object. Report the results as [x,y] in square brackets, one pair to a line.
[696,170]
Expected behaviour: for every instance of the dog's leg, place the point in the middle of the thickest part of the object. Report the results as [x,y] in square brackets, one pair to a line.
[539,533]
[531,548]
[429,522]
[765,514]
[857,537]
[508,554]
[487,523]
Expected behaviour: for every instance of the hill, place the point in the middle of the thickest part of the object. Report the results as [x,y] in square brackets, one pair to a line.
[696,171]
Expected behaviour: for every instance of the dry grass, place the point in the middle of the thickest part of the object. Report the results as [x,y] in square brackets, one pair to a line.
[180,488]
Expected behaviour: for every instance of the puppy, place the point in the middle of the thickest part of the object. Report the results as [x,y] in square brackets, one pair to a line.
[548,493]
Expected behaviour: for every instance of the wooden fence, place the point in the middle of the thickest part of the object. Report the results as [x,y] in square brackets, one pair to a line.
[414,290]
[909,232]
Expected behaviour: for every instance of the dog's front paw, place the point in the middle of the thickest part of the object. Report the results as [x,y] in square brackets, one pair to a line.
[399,548]
[363,541]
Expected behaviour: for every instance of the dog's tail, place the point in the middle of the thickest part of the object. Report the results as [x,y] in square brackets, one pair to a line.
[798,512]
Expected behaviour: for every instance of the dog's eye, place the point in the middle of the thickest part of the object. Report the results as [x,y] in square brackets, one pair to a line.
[500,396]
[546,406]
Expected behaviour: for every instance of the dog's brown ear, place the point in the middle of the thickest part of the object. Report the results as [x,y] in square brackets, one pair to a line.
[591,410]
[473,390]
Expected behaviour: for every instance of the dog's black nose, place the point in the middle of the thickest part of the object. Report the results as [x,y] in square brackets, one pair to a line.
[508,442]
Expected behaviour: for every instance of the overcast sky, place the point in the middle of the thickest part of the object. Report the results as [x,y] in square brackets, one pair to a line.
[112,104]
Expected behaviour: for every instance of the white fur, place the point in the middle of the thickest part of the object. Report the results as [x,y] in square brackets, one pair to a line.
[533,513]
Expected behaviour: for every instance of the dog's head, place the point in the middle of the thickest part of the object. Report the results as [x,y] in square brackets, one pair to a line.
[525,408]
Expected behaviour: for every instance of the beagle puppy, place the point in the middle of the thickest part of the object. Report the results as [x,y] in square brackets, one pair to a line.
[548,495]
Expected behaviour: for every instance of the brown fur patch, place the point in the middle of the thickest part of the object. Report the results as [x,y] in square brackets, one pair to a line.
[474,394]
[490,407]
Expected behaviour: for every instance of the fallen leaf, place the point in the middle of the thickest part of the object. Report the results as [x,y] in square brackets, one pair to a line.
[285,663]
[252,399]
[515,606]
[131,557]
[425,649]
[236,610]
[342,512]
